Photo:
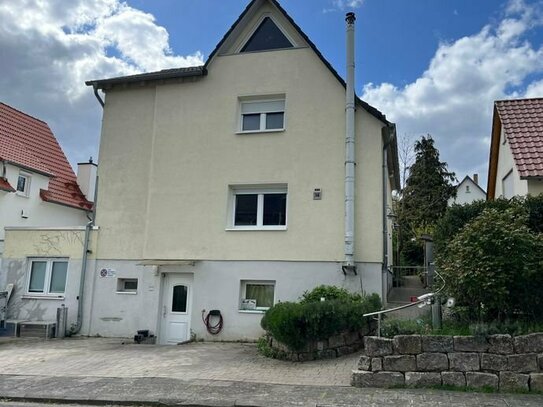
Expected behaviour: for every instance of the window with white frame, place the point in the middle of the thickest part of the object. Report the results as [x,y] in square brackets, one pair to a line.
[127,285]
[257,294]
[23,184]
[47,276]
[262,115]
[259,208]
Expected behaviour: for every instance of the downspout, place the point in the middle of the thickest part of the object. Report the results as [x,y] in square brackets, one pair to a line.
[100,100]
[349,264]
[388,136]
[84,258]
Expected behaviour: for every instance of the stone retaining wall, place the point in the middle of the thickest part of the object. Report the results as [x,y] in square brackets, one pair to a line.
[497,361]
[338,345]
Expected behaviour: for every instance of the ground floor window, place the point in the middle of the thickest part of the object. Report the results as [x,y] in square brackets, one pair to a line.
[47,276]
[257,294]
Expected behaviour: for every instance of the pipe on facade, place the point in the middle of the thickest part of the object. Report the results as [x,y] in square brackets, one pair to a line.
[388,134]
[100,100]
[349,264]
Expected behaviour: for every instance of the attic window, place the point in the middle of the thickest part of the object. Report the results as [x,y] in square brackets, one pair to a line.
[266,37]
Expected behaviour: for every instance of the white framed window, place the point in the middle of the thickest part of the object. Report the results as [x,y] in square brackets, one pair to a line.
[127,285]
[47,276]
[257,295]
[23,184]
[468,189]
[265,115]
[258,208]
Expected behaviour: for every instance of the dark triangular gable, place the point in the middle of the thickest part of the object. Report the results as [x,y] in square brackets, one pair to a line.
[266,37]
[370,109]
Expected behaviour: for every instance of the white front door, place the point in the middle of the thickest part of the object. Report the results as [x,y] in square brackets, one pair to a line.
[176,308]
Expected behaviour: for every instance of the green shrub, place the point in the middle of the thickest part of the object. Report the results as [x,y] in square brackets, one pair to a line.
[296,324]
[391,327]
[329,292]
[494,267]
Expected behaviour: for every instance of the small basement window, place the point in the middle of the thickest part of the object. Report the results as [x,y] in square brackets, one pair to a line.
[257,295]
[127,285]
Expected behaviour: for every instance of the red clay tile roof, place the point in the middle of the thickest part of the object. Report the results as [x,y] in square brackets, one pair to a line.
[29,142]
[522,121]
[5,186]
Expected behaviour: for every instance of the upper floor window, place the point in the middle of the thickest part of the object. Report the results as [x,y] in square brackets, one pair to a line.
[23,184]
[267,36]
[47,276]
[259,208]
[467,189]
[262,115]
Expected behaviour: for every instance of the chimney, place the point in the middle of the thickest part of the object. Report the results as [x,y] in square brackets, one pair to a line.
[476,178]
[86,179]
[349,264]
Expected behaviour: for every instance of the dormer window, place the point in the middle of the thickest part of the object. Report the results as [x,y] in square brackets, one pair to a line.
[267,36]
[23,184]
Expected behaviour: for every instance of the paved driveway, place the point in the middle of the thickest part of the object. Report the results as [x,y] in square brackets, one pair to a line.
[101,357]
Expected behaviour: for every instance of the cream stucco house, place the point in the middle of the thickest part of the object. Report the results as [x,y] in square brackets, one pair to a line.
[40,194]
[228,187]
[516,151]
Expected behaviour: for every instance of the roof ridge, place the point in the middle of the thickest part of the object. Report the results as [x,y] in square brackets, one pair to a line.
[517,99]
[23,113]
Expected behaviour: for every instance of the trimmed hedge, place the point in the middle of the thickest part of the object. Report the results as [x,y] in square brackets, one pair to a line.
[296,324]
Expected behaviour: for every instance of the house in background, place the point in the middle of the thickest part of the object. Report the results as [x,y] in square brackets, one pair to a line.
[227,188]
[467,191]
[516,150]
[38,190]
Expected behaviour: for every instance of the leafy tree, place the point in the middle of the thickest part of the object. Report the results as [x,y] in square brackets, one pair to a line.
[425,196]
[493,266]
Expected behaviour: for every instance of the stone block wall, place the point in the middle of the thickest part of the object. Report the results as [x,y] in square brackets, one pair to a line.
[337,345]
[500,362]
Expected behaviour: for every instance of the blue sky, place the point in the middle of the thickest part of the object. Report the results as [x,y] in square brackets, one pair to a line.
[431,66]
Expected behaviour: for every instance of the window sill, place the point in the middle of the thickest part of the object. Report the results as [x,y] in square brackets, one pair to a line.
[256,228]
[126,292]
[42,297]
[261,131]
[252,311]
[22,194]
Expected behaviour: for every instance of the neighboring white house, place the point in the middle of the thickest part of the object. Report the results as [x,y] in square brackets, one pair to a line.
[468,191]
[38,189]
[516,150]
[223,187]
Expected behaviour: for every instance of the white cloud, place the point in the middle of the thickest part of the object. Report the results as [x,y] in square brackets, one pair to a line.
[453,98]
[344,4]
[49,48]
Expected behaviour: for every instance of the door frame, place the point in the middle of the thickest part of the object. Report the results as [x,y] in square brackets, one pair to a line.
[164,284]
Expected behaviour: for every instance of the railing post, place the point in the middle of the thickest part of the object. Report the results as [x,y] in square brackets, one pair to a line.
[378,325]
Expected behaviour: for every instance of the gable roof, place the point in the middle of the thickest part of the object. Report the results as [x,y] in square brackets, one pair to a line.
[522,122]
[28,143]
[202,70]
[468,178]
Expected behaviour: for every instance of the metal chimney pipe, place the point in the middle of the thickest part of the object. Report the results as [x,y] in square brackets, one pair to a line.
[349,148]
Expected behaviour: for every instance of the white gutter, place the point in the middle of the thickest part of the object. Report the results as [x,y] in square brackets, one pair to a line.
[350,163]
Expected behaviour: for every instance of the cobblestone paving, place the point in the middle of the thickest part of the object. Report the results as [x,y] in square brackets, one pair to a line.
[102,357]
[203,374]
